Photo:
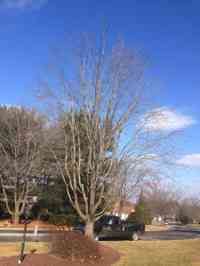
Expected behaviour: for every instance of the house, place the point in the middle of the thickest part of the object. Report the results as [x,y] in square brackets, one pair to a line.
[123,209]
[158,219]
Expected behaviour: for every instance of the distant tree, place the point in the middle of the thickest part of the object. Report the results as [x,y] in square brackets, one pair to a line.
[52,198]
[21,134]
[161,200]
[141,214]
[188,210]
[183,216]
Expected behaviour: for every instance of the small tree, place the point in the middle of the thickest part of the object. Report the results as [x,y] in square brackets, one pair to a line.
[20,140]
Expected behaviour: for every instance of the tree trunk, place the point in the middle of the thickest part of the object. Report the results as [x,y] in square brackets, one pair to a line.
[89,229]
[15,218]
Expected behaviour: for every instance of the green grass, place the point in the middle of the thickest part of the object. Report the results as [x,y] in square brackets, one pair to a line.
[158,253]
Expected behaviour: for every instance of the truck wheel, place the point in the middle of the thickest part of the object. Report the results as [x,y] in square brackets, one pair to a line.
[135,236]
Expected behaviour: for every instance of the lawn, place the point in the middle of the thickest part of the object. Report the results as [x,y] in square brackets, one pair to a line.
[158,253]
[156,228]
[140,253]
[195,226]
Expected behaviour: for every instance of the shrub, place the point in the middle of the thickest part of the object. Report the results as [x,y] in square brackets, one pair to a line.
[185,219]
[44,215]
[183,216]
[62,219]
[69,244]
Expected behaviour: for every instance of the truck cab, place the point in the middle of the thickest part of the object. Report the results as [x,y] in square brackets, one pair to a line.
[110,226]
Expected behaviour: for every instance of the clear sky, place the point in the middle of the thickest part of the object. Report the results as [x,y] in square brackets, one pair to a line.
[166,31]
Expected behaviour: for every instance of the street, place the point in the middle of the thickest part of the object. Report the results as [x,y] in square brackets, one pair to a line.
[174,233]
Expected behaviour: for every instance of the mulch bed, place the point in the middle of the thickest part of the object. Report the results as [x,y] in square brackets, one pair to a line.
[69,248]
[70,245]
[108,257]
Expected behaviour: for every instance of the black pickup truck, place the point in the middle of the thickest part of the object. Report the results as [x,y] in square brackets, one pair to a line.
[112,227]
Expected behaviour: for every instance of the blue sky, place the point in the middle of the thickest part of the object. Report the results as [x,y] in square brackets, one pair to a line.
[167,32]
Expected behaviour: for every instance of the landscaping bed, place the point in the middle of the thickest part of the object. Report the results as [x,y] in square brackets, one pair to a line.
[108,257]
[69,248]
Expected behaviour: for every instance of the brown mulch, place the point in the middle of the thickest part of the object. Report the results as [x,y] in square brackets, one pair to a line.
[108,257]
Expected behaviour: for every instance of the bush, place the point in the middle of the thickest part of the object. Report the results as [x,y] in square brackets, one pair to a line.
[44,215]
[63,220]
[185,219]
[183,216]
[69,244]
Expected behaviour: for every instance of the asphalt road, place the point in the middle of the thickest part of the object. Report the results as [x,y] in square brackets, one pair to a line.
[17,236]
[175,233]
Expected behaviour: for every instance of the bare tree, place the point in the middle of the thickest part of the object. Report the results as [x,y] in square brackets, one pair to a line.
[162,199]
[105,88]
[188,210]
[20,140]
